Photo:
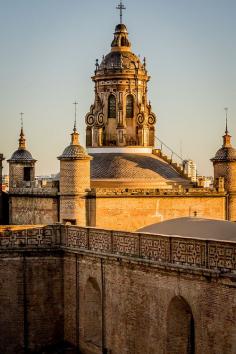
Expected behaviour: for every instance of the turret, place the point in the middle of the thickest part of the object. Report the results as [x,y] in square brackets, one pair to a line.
[74,182]
[21,165]
[224,164]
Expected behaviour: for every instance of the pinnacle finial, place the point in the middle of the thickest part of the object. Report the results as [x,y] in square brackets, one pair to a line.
[21,122]
[121,7]
[22,136]
[75,122]
[226,137]
[75,135]
[226,120]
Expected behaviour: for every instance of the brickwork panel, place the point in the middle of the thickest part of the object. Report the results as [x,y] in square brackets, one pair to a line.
[33,211]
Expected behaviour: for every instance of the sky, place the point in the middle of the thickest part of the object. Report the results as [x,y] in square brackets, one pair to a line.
[48,50]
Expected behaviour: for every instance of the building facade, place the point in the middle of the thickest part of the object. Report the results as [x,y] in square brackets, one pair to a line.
[121,181]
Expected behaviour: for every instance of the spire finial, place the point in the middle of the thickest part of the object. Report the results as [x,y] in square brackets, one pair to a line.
[21,122]
[22,136]
[75,135]
[75,122]
[226,120]
[226,137]
[121,7]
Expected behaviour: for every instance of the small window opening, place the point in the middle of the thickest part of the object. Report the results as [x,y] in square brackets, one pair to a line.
[27,172]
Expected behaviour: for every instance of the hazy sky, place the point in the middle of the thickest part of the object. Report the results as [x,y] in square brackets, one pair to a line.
[48,50]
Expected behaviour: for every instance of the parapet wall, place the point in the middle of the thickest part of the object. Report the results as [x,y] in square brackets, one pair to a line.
[179,251]
[95,288]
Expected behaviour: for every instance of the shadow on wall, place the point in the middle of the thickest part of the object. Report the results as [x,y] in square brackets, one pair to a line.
[5,215]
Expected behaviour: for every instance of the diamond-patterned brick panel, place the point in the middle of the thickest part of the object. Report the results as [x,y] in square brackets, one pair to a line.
[189,252]
[222,255]
[100,240]
[77,238]
[126,244]
[156,248]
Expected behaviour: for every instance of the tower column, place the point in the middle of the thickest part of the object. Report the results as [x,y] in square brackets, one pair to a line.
[74,183]
[224,164]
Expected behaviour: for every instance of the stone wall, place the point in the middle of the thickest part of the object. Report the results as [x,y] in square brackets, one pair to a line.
[33,210]
[31,291]
[126,290]
[116,292]
[131,212]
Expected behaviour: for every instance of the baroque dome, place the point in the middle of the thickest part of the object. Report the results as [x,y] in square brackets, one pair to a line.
[120,56]
[120,60]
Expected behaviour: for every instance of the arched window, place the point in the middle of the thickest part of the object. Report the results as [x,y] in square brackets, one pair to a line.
[93,320]
[180,327]
[129,106]
[123,42]
[111,106]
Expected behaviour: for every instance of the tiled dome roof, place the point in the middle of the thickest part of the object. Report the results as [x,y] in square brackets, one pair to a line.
[21,155]
[73,152]
[225,154]
[133,167]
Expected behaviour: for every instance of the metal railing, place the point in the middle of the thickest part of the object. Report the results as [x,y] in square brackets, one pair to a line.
[166,150]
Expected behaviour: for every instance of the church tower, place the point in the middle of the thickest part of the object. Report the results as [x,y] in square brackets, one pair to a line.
[74,182]
[224,164]
[121,114]
[21,165]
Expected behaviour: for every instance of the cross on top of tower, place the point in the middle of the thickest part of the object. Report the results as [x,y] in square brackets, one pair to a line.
[121,7]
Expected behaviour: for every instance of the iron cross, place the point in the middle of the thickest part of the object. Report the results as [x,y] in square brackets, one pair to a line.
[121,7]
